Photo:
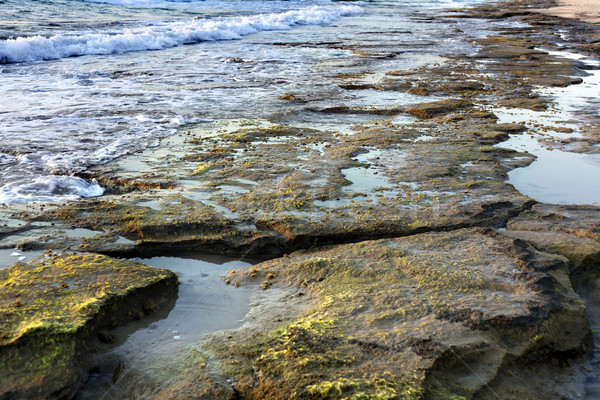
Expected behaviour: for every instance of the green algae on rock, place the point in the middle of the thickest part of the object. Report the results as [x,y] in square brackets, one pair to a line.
[569,230]
[53,309]
[256,186]
[240,186]
[430,316]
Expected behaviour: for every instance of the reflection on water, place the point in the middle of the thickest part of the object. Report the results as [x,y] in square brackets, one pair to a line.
[11,256]
[205,304]
[557,176]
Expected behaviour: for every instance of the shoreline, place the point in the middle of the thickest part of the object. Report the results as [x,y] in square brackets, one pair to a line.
[582,10]
[401,262]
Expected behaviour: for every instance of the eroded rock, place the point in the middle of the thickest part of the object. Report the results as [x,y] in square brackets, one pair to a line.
[437,316]
[569,230]
[54,313]
[265,188]
[463,314]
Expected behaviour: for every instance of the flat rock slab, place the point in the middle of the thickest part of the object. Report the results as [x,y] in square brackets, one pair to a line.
[255,186]
[465,314]
[457,314]
[55,310]
[271,187]
[569,230]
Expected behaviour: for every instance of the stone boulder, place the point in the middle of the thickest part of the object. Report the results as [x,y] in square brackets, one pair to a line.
[56,311]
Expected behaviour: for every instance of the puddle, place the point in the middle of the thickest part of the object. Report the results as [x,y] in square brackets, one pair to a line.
[557,124]
[576,97]
[204,198]
[370,157]
[152,204]
[342,124]
[556,176]
[10,256]
[422,138]
[80,233]
[11,223]
[404,120]
[205,304]
[364,180]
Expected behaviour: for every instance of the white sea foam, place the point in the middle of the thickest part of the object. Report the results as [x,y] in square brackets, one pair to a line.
[49,188]
[164,35]
[59,118]
[139,2]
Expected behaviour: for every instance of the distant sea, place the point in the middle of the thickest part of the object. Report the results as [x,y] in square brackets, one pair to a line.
[85,81]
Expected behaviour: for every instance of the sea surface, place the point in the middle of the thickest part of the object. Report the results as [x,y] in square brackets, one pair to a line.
[85,81]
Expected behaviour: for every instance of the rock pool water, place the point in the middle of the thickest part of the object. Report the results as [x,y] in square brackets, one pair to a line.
[205,304]
[559,176]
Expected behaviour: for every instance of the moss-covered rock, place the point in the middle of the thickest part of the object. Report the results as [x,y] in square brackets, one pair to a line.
[51,311]
[569,230]
[436,108]
[447,315]
[431,316]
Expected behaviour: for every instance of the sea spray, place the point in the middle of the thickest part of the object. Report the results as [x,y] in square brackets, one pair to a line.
[164,35]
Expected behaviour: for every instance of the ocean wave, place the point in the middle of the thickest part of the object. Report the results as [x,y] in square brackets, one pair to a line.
[165,35]
[139,2]
[49,188]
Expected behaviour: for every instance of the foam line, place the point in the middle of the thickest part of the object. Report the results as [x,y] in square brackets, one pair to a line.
[164,35]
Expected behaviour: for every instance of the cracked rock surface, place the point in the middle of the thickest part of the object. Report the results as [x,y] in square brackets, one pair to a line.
[404,265]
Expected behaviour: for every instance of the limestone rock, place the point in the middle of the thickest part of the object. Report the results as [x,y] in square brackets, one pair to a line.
[52,311]
[464,314]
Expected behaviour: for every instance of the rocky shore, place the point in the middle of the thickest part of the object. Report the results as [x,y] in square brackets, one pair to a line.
[402,264]
[57,313]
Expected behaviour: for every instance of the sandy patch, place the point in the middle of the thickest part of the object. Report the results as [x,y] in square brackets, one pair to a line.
[584,10]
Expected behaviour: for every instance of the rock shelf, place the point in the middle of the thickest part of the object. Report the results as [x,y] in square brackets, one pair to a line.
[402,263]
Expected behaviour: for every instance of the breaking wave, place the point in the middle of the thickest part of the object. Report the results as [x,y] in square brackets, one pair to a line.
[164,35]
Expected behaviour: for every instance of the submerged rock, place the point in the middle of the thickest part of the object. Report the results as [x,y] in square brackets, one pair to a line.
[54,314]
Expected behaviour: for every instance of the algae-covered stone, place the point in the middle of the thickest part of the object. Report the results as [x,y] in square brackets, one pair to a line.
[569,230]
[265,188]
[431,316]
[51,311]
[433,109]
[270,187]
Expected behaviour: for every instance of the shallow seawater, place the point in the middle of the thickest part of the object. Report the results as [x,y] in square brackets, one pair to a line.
[205,304]
[557,176]
[11,256]
[84,82]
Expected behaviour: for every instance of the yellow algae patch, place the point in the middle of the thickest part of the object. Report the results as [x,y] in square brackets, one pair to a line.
[52,309]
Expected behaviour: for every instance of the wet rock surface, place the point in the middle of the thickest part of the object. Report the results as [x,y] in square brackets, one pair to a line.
[435,315]
[270,187]
[571,231]
[286,188]
[469,292]
[57,311]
